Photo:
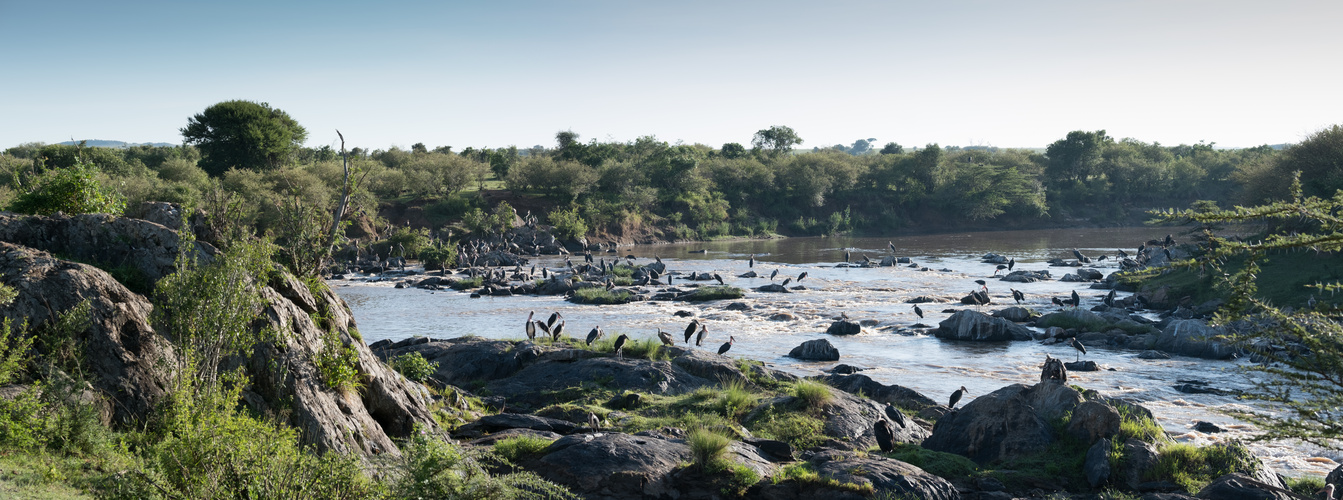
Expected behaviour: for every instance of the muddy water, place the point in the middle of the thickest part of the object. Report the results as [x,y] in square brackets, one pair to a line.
[933,367]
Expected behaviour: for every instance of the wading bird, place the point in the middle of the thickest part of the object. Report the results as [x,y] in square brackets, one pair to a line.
[801,276]
[1081,349]
[1017,295]
[786,281]
[956,397]
[918,311]
[751,263]
[1056,301]
[699,338]
[999,268]
[690,329]
[595,334]
[719,278]
[726,345]
[983,285]
[773,274]
[846,256]
[620,345]
[531,327]
[1011,263]
[541,325]
[1077,299]
[1109,299]
[665,337]
[594,422]
[559,330]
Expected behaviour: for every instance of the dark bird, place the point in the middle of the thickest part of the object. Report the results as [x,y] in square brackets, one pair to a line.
[594,422]
[587,257]
[690,329]
[956,397]
[999,268]
[1169,241]
[918,311]
[773,274]
[1077,299]
[609,284]
[595,334]
[982,284]
[885,436]
[620,345]
[751,263]
[657,258]
[1011,263]
[1017,295]
[699,338]
[1122,254]
[866,260]
[542,326]
[726,345]
[1081,349]
[1080,257]
[558,331]
[1141,248]
[1167,252]
[665,337]
[531,327]
[846,256]
[801,276]
[1109,299]
[786,281]
[719,278]
[892,245]
[981,297]
[1056,301]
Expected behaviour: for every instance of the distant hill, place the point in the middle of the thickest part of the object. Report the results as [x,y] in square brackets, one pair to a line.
[99,143]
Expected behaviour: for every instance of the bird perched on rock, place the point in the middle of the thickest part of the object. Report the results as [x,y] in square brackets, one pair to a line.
[846,256]
[719,278]
[594,422]
[751,263]
[620,345]
[1056,301]
[531,327]
[983,284]
[1081,349]
[885,436]
[557,331]
[665,337]
[918,311]
[540,325]
[699,337]
[555,316]
[1011,263]
[1017,295]
[956,397]
[1077,299]
[727,345]
[786,281]
[1109,299]
[999,269]
[595,334]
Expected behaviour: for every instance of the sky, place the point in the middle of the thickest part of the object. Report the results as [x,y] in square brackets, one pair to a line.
[499,73]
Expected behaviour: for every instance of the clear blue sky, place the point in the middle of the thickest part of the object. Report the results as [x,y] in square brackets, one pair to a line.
[1015,74]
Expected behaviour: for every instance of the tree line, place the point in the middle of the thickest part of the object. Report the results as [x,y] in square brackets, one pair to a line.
[253,153]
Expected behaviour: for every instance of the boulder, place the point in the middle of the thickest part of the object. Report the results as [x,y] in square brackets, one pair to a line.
[1024,276]
[888,477]
[1014,314]
[1139,459]
[490,424]
[149,249]
[1335,478]
[615,465]
[1009,422]
[773,287]
[974,325]
[1097,464]
[1093,421]
[844,327]
[1237,486]
[1195,338]
[464,360]
[900,396]
[1090,274]
[815,350]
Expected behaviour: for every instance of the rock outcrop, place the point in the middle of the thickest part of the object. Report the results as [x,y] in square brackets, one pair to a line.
[1009,422]
[1195,338]
[889,477]
[815,350]
[974,325]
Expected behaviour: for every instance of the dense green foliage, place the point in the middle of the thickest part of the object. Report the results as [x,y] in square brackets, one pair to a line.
[413,366]
[73,190]
[243,134]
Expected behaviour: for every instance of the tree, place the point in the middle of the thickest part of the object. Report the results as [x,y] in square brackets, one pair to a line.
[419,147]
[776,139]
[861,146]
[892,149]
[1075,157]
[732,151]
[1306,379]
[73,190]
[243,134]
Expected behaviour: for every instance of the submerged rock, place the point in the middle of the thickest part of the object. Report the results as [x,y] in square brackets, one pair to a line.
[815,350]
[844,327]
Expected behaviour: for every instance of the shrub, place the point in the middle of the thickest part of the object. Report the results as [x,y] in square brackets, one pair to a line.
[517,448]
[432,468]
[568,224]
[800,430]
[338,363]
[812,393]
[1193,467]
[73,190]
[467,283]
[946,465]
[715,293]
[413,366]
[734,399]
[707,447]
[599,295]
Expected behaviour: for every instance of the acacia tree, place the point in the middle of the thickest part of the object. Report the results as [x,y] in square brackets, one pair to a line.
[776,139]
[1307,379]
[243,134]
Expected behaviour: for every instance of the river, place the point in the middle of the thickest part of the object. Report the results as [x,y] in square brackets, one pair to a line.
[929,365]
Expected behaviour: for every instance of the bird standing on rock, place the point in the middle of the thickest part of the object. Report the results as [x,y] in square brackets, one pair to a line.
[1011,263]
[699,338]
[983,284]
[786,281]
[751,263]
[620,346]
[531,327]
[665,337]
[594,422]
[956,397]
[1017,295]
[1077,299]
[727,345]
[595,334]
[918,311]
[559,330]
[719,278]
[885,436]
[1056,301]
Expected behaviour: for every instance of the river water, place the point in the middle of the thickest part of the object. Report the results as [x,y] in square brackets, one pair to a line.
[894,355]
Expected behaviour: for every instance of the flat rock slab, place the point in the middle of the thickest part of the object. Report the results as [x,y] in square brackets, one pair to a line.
[504,421]
[614,465]
[887,476]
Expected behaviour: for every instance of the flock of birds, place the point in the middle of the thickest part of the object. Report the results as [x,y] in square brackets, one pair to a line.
[554,329]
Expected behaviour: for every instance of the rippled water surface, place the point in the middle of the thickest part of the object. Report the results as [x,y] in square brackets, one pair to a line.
[933,367]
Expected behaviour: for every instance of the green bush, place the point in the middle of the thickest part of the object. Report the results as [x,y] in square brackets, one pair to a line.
[568,224]
[1193,467]
[734,399]
[414,366]
[946,465]
[517,448]
[707,447]
[73,190]
[438,255]
[599,295]
[433,468]
[798,429]
[715,293]
[338,364]
[812,393]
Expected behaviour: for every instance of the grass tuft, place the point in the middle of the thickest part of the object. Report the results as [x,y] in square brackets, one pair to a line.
[707,447]
[515,449]
[600,296]
[715,293]
[813,394]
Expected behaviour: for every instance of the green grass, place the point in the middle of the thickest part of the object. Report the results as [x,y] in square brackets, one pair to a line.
[516,449]
[805,475]
[800,430]
[39,475]
[1193,467]
[706,446]
[467,283]
[599,295]
[716,293]
[1067,322]
[946,465]
[1140,427]
[622,270]
[813,394]
[734,399]
[650,349]
[1305,485]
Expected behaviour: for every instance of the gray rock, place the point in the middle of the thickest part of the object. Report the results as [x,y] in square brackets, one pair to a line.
[503,421]
[844,327]
[1015,314]
[1139,458]
[1236,486]
[1150,354]
[773,287]
[1194,338]
[615,465]
[1093,421]
[1090,274]
[1335,478]
[815,350]
[1009,422]
[974,325]
[1207,427]
[1097,464]
[887,476]
[903,397]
